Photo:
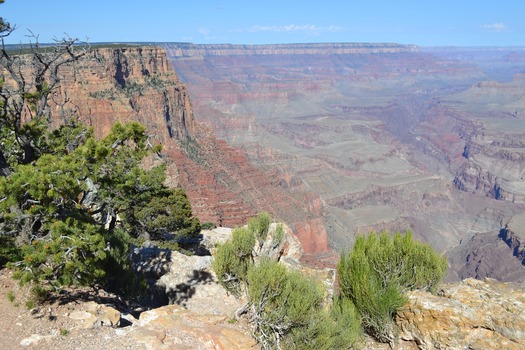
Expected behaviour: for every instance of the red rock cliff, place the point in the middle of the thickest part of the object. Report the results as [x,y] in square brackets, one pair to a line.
[138,83]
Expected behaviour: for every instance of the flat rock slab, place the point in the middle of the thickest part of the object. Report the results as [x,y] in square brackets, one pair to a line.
[95,315]
[173,327]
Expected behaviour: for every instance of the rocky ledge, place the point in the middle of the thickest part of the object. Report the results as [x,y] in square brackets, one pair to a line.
[471,314]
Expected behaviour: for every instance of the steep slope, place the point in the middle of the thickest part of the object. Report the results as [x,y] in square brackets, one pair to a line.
[494,152]
[500,254]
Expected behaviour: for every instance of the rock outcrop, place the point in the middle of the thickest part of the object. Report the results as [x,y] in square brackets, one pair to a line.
[201,314]
[93,315]
[472,314]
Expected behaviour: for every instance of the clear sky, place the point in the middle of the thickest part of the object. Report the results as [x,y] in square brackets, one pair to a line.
[420,22]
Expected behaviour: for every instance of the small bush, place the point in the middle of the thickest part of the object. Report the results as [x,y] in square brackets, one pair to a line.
[168,214]
[378,272]
[287,309]
[338,327]
[281,301]
[277,236]
[30,304]
[208,226]
[11,296]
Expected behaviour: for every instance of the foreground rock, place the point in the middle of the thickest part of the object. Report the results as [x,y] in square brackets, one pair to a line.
[191,284]
[472,314]
[174,327]
[200,313]
[93,315]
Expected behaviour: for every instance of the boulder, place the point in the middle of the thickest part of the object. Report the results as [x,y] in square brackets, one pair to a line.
[472,314]
[191,283]
[93,315]
[210,238]
[150,260]
[36,339]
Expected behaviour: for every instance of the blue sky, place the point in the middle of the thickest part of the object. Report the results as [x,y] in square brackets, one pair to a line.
[420,22]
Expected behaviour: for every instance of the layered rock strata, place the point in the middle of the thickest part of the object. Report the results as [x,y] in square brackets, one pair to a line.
[389,137]
[120,84]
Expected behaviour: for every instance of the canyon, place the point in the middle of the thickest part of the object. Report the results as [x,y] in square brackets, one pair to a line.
[385,136]
[335,140]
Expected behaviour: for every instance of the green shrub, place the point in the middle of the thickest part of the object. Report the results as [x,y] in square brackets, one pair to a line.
[120,276]
[168,214]
[30,304]
[378,272]
[287,309]
[72,253]
[208,225]
[280,300]
[11,296]
[277,236]
[233,258]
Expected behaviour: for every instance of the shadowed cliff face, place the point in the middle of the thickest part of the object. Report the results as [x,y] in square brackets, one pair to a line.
[388,136]
[138,83]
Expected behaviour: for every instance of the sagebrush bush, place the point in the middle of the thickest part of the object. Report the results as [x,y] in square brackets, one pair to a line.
[260,226]
[379,270]
[287,310]
[332,328]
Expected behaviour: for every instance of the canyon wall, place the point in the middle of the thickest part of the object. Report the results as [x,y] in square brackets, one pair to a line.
[120,84]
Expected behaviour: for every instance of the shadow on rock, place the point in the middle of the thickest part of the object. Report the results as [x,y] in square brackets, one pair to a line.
[186,290]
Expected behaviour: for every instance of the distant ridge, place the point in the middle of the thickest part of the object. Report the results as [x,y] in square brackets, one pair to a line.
[190,50]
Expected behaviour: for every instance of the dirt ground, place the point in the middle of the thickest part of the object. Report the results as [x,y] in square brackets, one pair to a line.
[49,326]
